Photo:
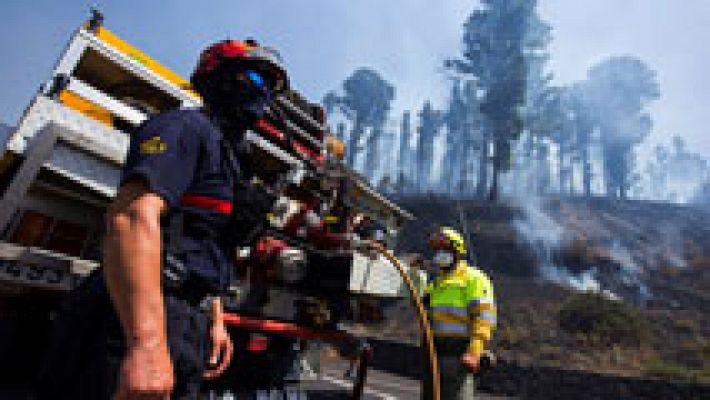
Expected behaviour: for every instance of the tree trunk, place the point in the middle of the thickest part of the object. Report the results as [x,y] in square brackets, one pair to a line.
[494,193]
[340,131]
[457,171]
[353,143]
[624,178]
[609,178]
[463,186]
[448,165]
[482,186]
[530,185]
[562,172]
[586,171]
[372,153]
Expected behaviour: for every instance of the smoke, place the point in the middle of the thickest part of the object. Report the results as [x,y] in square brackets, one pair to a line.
[702,195]
[618,274]
[630,273]
[676,174]
[546,237]
[542,232]
[585,281]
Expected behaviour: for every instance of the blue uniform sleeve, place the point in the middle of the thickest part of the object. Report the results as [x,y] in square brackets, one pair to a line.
[164,152]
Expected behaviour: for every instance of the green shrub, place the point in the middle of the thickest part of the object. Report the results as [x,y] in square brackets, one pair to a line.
[603,320]
[509,337]
[694,353]
[666,370]
[686,325]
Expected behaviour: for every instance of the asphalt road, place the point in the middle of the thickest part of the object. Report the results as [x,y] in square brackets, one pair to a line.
[379,386]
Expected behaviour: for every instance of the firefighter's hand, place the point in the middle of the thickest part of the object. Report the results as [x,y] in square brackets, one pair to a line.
[471,362]
[146,372]
[222,350]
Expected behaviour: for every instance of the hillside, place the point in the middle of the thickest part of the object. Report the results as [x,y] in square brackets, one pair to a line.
[595,285]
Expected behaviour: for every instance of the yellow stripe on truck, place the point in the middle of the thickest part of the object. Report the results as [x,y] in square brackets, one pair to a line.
[86,107]
[129,50]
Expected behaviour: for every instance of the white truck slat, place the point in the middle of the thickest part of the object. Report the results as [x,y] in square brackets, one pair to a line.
[85,169]
[116,107]
[81,131]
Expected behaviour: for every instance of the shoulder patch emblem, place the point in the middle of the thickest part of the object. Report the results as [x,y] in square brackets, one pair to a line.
[153,145]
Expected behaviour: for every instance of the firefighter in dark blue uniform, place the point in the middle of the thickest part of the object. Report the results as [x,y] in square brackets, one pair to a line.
[150,326]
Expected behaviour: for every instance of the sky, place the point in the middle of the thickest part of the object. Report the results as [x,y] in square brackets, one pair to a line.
[323,41]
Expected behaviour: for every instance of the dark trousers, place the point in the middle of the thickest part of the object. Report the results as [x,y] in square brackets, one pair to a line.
[456,383]
[88,346]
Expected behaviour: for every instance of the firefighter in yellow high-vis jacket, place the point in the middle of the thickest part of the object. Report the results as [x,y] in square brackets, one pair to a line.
[462,313]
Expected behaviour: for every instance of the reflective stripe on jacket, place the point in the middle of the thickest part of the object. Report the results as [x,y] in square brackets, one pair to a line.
[461,305]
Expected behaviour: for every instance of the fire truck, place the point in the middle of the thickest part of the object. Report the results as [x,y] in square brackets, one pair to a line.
[301,279]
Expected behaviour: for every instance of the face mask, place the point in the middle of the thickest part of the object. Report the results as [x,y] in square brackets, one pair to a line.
[443,259]
[241,102]
[255,108]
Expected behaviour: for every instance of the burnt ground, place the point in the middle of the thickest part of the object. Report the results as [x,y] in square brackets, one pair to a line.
[653,257]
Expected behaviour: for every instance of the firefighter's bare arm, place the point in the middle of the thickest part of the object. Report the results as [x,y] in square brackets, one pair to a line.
[132,259]
[222,348]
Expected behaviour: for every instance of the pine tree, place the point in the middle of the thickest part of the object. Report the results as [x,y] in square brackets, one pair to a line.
[463,137]
[579,116]
[500,40]
[619,90]
[455,119]
[366,101]
[430,120]
[405,157]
